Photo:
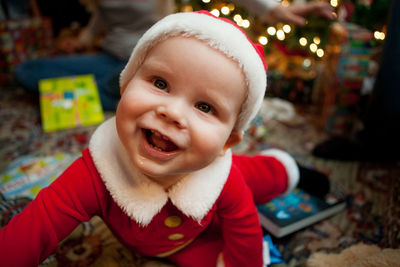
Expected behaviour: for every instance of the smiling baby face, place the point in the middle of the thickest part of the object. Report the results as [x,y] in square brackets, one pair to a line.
[177,113]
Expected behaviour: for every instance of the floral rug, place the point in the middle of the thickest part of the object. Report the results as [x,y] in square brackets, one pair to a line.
[373,190]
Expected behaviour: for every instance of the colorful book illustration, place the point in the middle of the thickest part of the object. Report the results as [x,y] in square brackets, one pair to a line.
[68,102]
[27,175]
[287,214]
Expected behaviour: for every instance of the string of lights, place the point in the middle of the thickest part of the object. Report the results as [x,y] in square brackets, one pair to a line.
[280,32]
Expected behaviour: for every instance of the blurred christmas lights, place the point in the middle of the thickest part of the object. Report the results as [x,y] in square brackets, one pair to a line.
[215,12]
[313,47]
[280,35]
[280,31]
[286,28]
[379,35]
[303,41]
[263,40]
[317,40]
[271,30]
[225,10]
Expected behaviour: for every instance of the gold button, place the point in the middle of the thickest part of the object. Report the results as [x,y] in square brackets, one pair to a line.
[176,236]
[173,221]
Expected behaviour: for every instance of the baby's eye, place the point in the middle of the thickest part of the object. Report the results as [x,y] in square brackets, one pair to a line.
[204,107]
[160,84]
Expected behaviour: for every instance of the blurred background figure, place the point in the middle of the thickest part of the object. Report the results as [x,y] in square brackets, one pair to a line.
[114,27]
[379,140]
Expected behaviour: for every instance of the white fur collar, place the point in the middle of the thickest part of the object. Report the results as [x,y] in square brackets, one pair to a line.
[142,198]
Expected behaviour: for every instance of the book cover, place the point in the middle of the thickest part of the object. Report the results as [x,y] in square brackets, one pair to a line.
[68,102]
[298,209]
[27,175]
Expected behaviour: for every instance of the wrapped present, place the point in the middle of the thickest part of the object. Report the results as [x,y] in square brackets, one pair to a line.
[21,40]
[69,102]
[338,86]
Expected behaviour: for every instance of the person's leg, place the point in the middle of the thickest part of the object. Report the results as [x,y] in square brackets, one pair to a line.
[382,123]
[108,84]
[380,139]
[104,67]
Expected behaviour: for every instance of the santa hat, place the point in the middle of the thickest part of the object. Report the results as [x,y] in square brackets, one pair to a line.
[221,34]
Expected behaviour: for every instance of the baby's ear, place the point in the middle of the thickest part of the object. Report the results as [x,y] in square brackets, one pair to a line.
[235,138]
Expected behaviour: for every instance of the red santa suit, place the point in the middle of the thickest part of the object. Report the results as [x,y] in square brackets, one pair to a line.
[208,212]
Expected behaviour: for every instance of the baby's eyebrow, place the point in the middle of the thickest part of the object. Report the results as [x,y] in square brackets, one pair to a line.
[156,65]
[220,103]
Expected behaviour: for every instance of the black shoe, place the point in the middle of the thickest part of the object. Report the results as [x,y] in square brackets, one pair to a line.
[339,148]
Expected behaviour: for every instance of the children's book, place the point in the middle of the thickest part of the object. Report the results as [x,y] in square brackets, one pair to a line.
[27,175]
[69,102]
[298,209]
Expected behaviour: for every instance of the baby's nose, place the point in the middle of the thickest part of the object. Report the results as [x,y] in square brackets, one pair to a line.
[172,114]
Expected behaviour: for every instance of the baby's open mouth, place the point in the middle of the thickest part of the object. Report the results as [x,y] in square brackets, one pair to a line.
[160,142]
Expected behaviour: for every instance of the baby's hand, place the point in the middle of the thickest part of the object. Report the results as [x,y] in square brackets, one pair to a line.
[220,260]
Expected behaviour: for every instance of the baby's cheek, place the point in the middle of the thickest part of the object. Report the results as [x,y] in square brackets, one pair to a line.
[212,144]
[131,104]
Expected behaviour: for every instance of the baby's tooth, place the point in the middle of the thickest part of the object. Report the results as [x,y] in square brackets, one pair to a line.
[156,133]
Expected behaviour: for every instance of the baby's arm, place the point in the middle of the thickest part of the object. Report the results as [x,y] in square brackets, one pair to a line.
[241,230]
[269,174]
[31,236]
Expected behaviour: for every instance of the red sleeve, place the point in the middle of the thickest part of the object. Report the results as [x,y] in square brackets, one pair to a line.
[266,176]
[31,236]
[241,230]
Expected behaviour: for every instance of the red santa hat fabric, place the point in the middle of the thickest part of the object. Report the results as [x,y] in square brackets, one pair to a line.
[221,34]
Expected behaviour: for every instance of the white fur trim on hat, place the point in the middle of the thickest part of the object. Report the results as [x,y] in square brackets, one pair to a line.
[219,34]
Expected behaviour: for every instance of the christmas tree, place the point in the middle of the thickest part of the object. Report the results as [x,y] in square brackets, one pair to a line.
[369,14]
[295,54]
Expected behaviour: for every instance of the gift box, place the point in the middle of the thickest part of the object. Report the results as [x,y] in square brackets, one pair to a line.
[23,39]
[338,85]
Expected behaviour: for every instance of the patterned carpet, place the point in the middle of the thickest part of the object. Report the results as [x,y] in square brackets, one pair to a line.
[372,216]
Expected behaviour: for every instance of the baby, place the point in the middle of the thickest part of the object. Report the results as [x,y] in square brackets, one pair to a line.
[161,173]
